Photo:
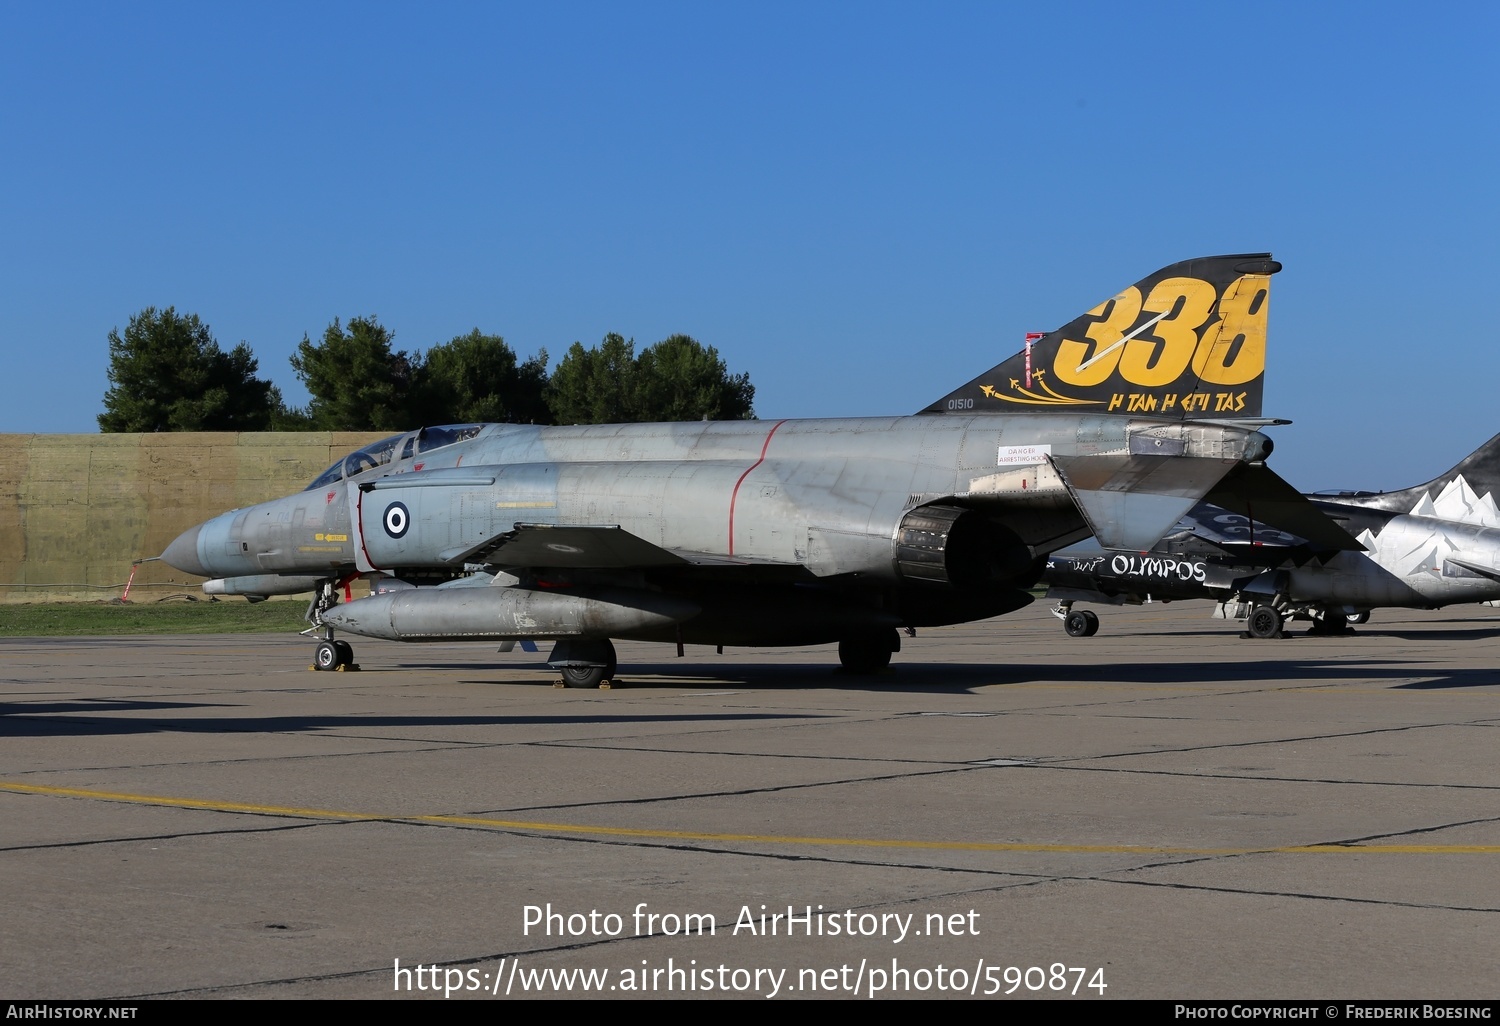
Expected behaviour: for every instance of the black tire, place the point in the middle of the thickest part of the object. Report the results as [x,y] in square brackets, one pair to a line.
[868,652]
[326,656]
[346,653]
[1363,616]
[585,676]
[1077,624]
[1265,622]
[585,663]
[1093,619]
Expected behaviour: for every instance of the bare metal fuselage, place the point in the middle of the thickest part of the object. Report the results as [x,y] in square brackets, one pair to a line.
[824,494]
[786,505]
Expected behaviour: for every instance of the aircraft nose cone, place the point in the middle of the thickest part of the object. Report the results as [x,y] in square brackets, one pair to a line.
[183,553]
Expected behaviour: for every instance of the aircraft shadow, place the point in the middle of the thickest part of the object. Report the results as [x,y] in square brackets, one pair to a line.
[81,718]
[1442,634]
[966,678]
[1298,631]
[43,719]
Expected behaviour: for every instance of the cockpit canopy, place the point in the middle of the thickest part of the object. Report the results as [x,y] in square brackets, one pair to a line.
[397,447]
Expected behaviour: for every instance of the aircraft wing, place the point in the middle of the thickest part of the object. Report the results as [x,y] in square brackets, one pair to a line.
[601,547]
[1257,492]
[567,547]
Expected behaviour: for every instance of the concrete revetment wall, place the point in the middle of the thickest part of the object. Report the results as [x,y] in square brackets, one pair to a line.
[76,510]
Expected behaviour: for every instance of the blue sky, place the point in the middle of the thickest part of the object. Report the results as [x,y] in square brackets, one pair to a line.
[862,205]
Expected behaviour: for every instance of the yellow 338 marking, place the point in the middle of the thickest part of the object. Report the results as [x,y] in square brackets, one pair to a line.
[1231,351]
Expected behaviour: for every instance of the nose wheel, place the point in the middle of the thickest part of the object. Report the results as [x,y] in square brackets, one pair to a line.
[333,655]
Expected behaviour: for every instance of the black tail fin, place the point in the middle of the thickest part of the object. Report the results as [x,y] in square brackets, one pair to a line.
[1478,474]
[1188,341]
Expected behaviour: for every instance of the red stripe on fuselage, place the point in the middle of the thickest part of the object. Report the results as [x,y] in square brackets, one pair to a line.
[734,496]
[359,519]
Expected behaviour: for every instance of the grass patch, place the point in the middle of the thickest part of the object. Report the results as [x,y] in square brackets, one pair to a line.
[236,616]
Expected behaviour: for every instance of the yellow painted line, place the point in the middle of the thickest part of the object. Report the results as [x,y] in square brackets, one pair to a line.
[693,835]
[181,803]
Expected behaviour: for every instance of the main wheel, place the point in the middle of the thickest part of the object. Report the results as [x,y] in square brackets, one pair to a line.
[326,656]
[1077,624]
[585,676]
[1265,622]
[869,651]
[585,664]
[1363,616]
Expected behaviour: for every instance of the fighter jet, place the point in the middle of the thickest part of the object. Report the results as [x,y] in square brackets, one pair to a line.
[1428,546]
[789,532]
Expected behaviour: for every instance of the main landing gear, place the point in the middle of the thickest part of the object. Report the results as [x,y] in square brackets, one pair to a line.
[1081,624]
[590,663]
[1269,621]
[1264,622]
[584,663]
[869,651]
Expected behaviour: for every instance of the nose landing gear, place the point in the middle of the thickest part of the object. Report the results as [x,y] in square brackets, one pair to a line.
[330,654]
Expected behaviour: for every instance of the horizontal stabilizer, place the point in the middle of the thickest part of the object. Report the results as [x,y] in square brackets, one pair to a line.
[1258,492]
[1131,501]
[1477,568]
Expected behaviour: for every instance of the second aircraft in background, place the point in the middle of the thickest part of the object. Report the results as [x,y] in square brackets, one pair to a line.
[1435,544]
